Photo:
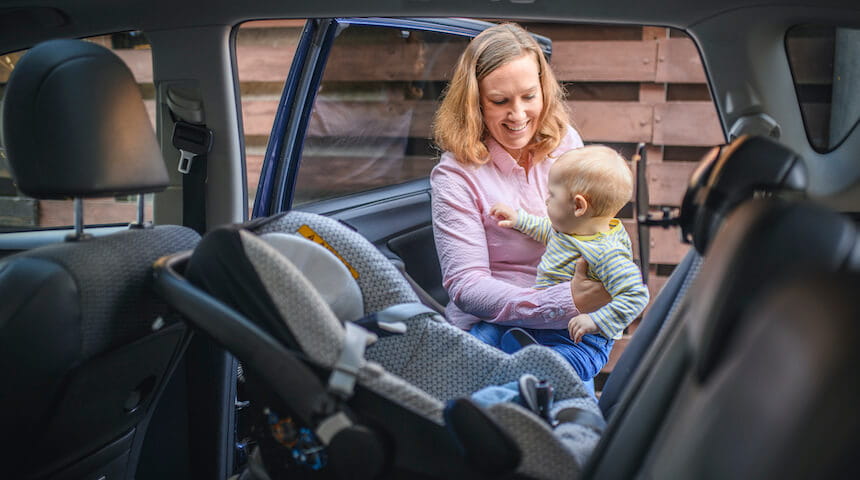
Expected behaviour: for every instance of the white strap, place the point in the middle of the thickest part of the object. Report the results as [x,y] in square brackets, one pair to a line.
[391,318]
[344,372]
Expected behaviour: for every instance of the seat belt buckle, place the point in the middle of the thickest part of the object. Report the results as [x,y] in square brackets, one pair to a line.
[191,140]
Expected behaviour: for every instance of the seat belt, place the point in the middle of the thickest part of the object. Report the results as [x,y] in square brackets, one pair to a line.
[194,141]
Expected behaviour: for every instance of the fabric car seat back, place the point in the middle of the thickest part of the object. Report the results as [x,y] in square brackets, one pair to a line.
[763,241]
[724,178]
[783,403]
[86,345]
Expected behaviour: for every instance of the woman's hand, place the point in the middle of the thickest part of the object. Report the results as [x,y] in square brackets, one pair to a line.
[588,295]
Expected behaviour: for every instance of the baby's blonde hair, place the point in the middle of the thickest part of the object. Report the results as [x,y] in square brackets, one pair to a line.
[598,173]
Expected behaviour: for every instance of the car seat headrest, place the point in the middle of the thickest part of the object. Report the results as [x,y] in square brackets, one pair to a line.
[75,125]
[328,275]
[728,175]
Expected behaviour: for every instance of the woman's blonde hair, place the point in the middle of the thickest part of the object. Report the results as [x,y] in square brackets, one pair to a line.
[458,126]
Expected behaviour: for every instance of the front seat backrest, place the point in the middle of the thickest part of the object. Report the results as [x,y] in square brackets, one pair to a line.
[784,403]
[724,178]
[84,344]
[761,242]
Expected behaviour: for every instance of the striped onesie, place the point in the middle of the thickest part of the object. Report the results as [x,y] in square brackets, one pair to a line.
[610,261]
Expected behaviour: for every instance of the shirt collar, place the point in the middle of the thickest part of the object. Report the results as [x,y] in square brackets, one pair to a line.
[500,157]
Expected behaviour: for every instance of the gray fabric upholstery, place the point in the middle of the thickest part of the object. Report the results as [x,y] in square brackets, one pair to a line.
[431,363]
[376,270]
[112,274]
[316,329]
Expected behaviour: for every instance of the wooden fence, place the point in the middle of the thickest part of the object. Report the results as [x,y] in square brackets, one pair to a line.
[625,84]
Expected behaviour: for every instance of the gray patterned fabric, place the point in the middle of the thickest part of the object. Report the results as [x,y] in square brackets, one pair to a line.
[375,270]
[113,276]
[548,455]
[316,329]
[432,362]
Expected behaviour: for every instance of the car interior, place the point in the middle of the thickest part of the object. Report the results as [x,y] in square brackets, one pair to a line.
[274,307]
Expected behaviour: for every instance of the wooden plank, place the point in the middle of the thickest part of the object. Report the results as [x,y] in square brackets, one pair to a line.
[612,121]
[58,213]
[655,284]
[253,167]
[404,118]
[666,245]
[655,33]
[675,123]
[652,93]
[560,32]
[667,182]
[610,61]
[654,153]
[616,352]
[596,121]
[687,123]
[264,63]
[678,61]
[585,61]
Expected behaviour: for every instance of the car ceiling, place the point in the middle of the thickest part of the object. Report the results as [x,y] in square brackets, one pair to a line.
[23,23]
[742,40]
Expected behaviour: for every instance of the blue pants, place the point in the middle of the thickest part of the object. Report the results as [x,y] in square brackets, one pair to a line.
[586,357]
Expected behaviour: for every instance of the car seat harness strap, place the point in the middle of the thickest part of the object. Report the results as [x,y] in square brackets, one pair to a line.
[345,370]
[389,321]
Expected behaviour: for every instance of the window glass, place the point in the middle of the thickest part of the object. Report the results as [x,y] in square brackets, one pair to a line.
[371,122]
[826,70]
[370,125]
[19,212]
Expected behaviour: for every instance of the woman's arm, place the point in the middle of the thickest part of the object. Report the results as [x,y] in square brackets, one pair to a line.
[461,242]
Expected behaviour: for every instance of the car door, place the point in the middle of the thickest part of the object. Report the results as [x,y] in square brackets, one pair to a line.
[352,134]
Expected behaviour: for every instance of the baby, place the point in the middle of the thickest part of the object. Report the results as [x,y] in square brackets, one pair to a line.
[587,188]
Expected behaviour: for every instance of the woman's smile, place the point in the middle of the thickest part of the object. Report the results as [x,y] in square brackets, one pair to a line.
[511,102]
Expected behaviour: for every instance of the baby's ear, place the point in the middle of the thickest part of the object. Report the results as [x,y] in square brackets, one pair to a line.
[580,205]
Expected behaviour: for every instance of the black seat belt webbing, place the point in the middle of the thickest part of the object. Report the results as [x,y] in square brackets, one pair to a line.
[194,142]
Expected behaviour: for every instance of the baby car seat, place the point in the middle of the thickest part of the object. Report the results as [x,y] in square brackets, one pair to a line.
[350,376]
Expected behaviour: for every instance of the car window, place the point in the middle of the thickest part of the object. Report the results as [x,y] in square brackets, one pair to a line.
[826,72]
[371,121]
[370,124]
[19,212]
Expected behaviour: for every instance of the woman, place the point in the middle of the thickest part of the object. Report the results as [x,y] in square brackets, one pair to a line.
[502,123]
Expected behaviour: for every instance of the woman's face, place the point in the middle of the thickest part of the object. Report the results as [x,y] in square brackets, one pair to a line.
[512,101]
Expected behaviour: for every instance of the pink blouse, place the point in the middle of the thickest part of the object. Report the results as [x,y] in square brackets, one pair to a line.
[489,271]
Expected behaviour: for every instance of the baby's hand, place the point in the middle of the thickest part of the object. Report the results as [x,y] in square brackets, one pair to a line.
[507,216]
[581,325]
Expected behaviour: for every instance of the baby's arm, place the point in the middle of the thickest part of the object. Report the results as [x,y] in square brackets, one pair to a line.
[507,216]
[623,281]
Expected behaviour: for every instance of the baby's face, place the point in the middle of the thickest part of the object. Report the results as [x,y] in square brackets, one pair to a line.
[559,205]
